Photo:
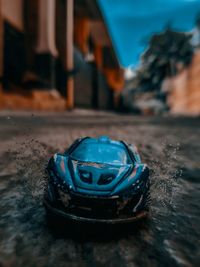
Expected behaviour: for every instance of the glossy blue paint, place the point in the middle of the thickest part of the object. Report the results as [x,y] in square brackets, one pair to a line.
[99,166]
[96,171]
[98,179]
[62,171]
[131,23]
[102,150]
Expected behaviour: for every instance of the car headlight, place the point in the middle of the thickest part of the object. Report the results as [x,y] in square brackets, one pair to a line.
[134,189]
[58,181]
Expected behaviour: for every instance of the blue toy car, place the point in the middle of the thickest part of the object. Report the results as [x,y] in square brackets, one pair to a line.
[98,180]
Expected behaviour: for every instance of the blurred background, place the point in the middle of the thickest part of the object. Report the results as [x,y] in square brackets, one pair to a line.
[59,55]
[128,69]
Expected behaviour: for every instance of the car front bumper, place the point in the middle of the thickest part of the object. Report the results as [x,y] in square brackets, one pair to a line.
[74,217]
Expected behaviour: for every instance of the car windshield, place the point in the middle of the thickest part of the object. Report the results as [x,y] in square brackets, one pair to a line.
[101,153]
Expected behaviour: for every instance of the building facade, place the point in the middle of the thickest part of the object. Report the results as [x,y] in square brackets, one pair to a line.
[56,54]
[184,89]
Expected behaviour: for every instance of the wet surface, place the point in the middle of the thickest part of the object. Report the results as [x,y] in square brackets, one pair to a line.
[169,237]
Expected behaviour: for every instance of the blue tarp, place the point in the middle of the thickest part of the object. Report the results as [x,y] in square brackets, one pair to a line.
[131,23]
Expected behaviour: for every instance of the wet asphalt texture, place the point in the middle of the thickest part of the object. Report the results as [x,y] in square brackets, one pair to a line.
[170,236]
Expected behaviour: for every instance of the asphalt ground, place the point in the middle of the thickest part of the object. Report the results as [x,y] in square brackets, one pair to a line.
[169,237]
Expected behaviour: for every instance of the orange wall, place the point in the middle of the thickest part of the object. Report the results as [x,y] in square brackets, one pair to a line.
[81,33]
[184,97]
[115,78]
[85,28]
[12,11]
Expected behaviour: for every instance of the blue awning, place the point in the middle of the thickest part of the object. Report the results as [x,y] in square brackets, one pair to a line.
[131,23]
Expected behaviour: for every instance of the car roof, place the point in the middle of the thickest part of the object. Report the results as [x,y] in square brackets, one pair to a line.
[102,140]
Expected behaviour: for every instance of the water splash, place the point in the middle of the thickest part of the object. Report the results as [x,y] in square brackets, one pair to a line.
[164,174]
[31,157]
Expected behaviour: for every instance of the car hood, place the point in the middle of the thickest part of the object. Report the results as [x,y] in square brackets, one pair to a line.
[96,177]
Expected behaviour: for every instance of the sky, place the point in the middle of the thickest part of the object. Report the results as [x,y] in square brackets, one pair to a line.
[131,23]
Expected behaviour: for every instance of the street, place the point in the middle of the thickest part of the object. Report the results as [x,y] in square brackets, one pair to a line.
[169,237]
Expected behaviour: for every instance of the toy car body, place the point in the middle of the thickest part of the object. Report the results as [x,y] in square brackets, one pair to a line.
[98,180]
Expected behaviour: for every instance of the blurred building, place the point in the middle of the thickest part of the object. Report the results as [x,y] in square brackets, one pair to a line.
[56,55]
[184,89]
